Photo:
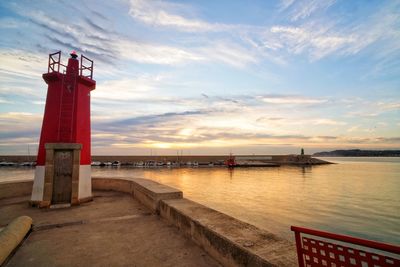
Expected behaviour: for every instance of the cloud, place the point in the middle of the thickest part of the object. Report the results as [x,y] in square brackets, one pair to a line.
[40,103]
[327,137]
[317,42]
[322,36]
[372,109]
[296,121]
[179,134]
[285,4]
[230,113]
[19,116]
[326,122]
[317,38]
[291,100]
[270,119]
[389,106]
[229,53]
[304,9]
[21,63]
[234,50]
[5,101]
[231,120]
[226,124]
[20,75]
[19,127]
[126,124]
[128,89]
[373,140]
[160,13]
[105,45]
[154,54]
[147,63]
[9,23]
[354,128]
[13,135]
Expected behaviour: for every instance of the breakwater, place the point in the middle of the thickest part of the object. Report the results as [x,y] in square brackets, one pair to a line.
[183,160]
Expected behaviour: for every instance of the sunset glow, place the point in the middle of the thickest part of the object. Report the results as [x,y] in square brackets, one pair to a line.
[210,77]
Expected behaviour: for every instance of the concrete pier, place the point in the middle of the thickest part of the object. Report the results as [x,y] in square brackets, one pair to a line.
[138,222]
[114,230]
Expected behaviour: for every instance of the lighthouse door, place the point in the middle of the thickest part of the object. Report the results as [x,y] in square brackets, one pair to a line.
[62,181]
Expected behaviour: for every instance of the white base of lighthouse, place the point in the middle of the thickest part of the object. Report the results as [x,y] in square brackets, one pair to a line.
[85,183]
[62,180]
[38,184]
[84,188]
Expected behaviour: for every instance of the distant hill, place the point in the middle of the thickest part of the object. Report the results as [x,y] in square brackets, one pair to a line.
[358,153]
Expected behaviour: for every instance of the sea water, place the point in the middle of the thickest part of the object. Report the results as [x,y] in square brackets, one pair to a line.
[356,196]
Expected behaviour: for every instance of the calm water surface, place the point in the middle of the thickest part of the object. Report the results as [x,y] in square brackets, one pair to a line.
[357,196]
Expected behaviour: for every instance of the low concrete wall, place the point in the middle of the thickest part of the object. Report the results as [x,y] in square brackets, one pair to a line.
[15,188]
[148,192]
[111,184]
[228,240]
[12,235]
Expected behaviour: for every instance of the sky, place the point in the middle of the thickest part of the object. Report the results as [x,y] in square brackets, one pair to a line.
[210,77]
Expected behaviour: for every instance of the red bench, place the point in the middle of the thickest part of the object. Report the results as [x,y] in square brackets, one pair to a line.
[318,248]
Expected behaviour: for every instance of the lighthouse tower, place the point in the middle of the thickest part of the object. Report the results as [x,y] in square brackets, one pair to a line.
[62,175]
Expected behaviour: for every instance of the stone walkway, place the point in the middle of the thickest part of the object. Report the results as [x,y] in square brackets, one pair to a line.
[113,230]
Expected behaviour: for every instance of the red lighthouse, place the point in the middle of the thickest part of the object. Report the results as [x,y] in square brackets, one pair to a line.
[62,174]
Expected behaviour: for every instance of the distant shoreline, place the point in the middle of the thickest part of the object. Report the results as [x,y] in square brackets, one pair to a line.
[358,153]
[341,156]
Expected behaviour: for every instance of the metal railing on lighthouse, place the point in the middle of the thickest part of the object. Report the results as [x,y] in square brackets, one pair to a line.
[85,69]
